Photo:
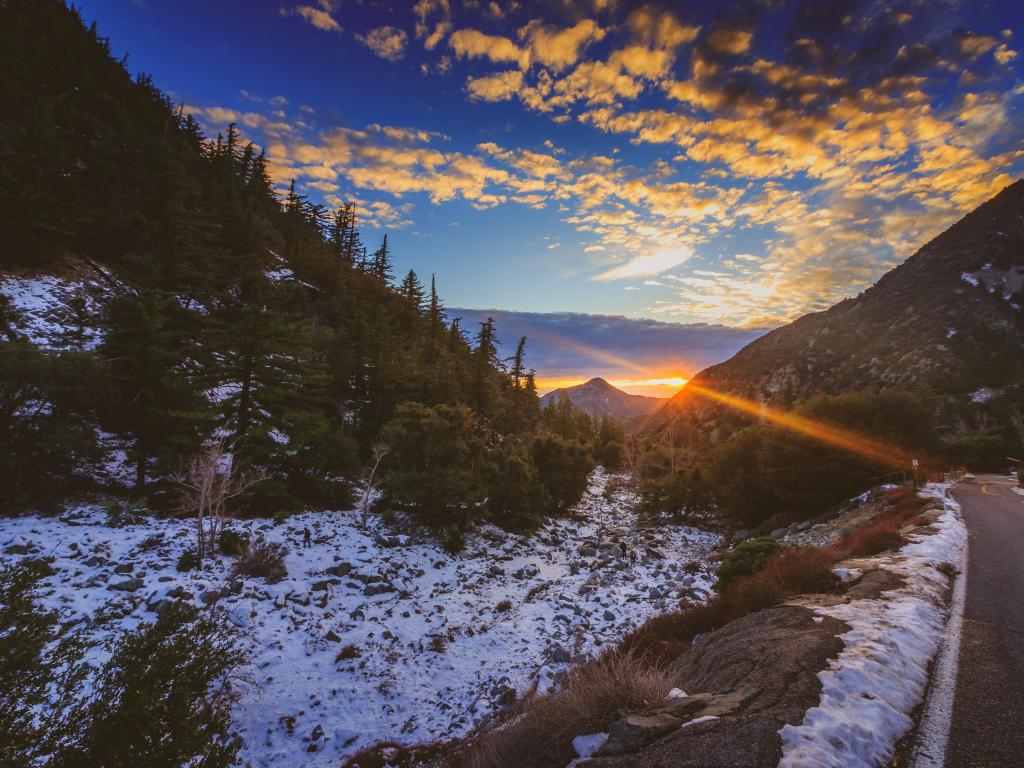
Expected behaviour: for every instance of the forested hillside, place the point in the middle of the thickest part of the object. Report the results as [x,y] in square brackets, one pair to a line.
[196,303]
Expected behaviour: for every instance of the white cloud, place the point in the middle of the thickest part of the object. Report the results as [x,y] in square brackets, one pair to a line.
[649,264]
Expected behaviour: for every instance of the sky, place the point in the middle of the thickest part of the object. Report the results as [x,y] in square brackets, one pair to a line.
[720,166]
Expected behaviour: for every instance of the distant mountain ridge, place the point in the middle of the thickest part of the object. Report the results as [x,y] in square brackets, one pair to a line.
[948,319]
[599,398]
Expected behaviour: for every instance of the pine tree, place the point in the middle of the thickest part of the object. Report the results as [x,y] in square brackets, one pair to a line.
[412,290]
[435,312]
[485,363]
[381,266]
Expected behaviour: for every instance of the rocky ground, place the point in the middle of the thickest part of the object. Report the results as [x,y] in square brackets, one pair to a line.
[377,634]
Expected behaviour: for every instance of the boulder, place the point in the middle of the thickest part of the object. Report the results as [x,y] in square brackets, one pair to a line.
[131,585]
[339,569]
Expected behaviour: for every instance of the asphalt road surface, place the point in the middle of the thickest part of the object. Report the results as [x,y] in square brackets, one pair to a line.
[988,710]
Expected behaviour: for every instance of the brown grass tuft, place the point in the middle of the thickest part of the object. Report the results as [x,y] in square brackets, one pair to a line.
[540,734]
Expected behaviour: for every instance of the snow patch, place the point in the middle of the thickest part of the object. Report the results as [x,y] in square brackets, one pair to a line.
[586,746]
[870,690]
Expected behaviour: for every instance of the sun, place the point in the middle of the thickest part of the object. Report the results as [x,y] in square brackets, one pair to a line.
[676,381]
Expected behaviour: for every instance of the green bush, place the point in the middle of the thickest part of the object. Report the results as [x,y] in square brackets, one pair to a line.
[120,514]
[563,467]
[749,556]
[232,543]
[435,468]
[188,561]
[40,674]
[516,500]
[162,700]
[453,541]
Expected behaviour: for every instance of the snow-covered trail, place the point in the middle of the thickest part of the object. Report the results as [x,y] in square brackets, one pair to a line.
[437,649]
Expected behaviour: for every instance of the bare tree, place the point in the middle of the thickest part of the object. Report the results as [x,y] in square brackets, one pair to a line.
[634,456]
[208,484]
[380,450]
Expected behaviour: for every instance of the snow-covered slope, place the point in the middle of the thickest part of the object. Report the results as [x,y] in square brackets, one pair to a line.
[437,650]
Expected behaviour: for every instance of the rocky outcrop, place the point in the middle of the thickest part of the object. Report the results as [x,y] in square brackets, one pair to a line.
[746,680]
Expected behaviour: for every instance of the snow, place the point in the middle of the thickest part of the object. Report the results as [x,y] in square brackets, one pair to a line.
[41,301]
[562,606]
[967,277]
[587,745]
[698,721]
[871,688]
[984,394]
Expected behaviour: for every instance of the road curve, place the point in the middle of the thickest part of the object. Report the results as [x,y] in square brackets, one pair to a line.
[988,711]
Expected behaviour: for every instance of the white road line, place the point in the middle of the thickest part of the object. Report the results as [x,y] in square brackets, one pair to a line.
[933,732]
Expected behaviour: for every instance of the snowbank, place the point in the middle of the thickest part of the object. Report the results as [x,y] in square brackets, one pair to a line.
[870,690]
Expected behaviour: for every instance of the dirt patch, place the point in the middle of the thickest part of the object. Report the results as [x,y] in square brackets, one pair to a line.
[761,672]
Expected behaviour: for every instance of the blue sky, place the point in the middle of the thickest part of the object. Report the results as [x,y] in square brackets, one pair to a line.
[732,164]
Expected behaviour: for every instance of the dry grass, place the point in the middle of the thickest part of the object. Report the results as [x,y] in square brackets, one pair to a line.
[262,559]
[388,754]
[790,573]
[540,733]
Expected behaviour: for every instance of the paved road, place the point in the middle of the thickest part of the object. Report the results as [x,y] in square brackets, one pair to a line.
[988,714]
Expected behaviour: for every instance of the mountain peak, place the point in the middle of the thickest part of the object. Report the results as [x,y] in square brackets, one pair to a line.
[600,398]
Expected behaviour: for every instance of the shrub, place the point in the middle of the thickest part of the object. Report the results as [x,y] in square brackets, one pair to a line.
[162,701]
[40,675]
[438,644]
[747,557]
[348,652]
[453,541]
[563,468]
[188,561]
[541,733]
[875,537]
[503,606]
[120,514]
[231,542]
[262,559]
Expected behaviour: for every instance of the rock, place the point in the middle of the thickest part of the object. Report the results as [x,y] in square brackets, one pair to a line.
[18,549]
[341,569]
[378,588]
[322,586]
[124,568]
[94,561]
[632,733]
[332,636]
[609,615]
[558,654]
[210,596]
[131,585]
[180,593]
